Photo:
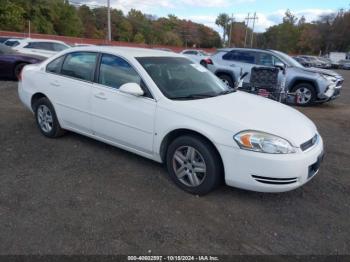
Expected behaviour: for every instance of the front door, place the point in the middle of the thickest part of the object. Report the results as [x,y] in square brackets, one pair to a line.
[121,118]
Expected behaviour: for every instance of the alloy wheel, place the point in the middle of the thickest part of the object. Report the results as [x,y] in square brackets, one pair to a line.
[304,95]
[189,166]
[45,118]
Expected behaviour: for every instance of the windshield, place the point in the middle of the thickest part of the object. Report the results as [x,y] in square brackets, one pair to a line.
[288,59]
[180,78]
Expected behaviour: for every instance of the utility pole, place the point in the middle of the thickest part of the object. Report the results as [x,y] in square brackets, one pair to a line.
[252,38]
[109,20]
[246,29]
[230,34]
[28,28]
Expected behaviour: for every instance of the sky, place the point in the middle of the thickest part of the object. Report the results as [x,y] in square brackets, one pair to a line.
[269,12]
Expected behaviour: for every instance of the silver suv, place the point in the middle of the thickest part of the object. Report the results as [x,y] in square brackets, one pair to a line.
[311,84]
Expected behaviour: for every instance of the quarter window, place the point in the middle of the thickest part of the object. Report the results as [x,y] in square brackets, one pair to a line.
[80,65]
[115,71]
[55,65]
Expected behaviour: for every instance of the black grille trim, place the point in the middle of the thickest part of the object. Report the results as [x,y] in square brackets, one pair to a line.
[276,182]
[305,146]
[275,179]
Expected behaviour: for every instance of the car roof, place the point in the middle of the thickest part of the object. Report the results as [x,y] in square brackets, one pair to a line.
[30,40]
[126,51]
[228,49]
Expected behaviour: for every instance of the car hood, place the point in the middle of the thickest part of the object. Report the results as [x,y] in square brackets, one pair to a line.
[242,111]
[321,71]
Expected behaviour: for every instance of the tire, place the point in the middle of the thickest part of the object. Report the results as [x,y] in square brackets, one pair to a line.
[227,80]
[46,119]
[305,94]
[18,69]
[201,172]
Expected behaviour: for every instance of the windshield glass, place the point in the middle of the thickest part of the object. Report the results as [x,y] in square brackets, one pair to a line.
[180,78]
[288,59]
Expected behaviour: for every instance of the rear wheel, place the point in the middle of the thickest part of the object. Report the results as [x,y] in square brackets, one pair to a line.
[18,69]
[194,165]
[305,94]
[227,80]
[46,118]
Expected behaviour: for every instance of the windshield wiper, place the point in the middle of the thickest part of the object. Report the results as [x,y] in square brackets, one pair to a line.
[196,96]
[228,91]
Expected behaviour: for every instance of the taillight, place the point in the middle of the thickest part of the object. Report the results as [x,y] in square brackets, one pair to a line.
[209,61]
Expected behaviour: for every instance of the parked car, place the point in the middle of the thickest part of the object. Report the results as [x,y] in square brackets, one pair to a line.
[302,61]
[344,64]
[327,63]
[162,106]
[3,39]
[198,56]
[310,84]
[11,62]
[317,62]
[42,47]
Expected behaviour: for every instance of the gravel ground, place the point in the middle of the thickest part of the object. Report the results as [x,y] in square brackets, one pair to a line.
[74,195]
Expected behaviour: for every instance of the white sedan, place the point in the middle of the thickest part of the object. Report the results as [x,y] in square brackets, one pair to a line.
[39,47]
[162,106]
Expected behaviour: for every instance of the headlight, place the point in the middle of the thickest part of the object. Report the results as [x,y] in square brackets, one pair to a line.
[329,78]
[263,142]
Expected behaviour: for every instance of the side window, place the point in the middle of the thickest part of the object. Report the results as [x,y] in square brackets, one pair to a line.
[115,71]
[228,56]
[58,47]
[190,53]
[266,60]
[240,56]
[80,65]
[55,65]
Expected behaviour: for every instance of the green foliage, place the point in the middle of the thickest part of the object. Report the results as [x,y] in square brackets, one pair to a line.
[11,16]
[60,17]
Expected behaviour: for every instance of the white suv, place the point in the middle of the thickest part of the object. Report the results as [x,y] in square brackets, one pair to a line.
[40,47]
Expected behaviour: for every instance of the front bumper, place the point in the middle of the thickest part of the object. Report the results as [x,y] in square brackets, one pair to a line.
[270,173]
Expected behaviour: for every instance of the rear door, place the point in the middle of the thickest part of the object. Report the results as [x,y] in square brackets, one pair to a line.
[69,81]
[244,59]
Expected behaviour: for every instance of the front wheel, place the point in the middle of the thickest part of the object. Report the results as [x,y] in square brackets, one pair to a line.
[305,94]
[194,165]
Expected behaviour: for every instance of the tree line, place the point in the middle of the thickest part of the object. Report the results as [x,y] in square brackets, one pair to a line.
[294,35]
[62,18]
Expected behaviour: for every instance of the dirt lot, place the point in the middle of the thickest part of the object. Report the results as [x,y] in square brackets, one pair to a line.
[74,195]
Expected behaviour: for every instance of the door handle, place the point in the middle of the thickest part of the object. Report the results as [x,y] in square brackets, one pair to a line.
[100,96]
[55,84]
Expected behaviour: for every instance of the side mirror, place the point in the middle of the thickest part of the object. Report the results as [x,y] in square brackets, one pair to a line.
[280,65]
[131,89]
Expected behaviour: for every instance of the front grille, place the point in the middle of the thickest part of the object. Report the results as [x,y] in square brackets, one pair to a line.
[305,146]
[275,181]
